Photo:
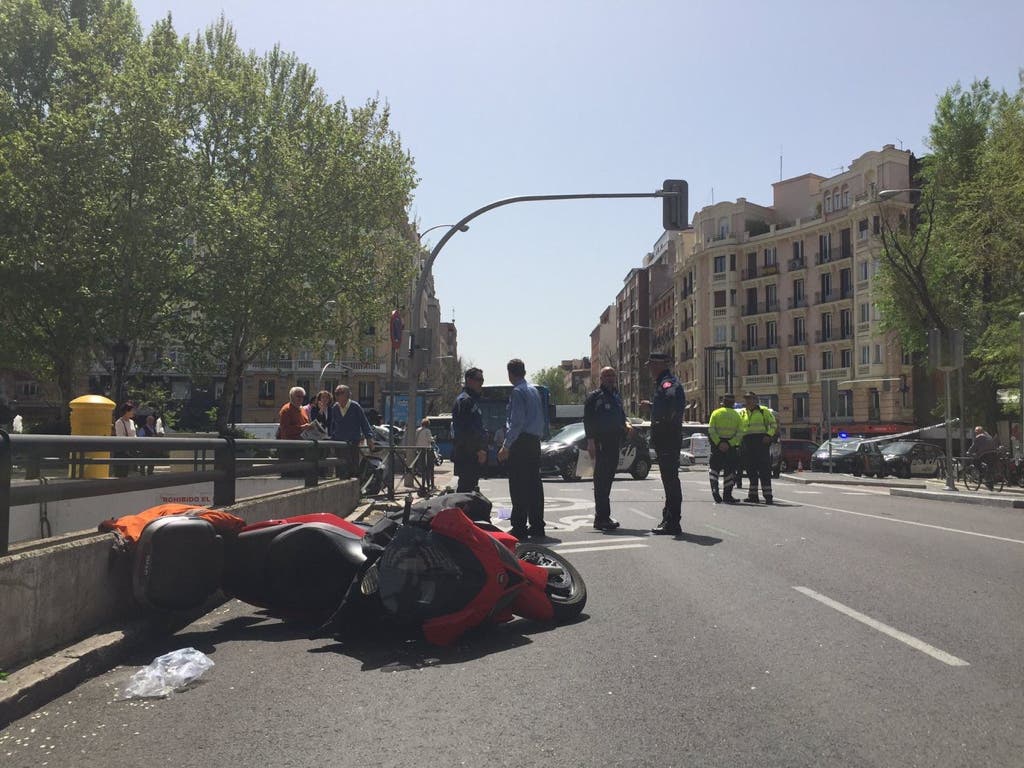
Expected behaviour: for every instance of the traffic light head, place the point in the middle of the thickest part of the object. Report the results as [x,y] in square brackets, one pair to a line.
[674,202]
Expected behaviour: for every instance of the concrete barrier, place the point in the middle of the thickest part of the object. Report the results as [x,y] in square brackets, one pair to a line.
[55,592]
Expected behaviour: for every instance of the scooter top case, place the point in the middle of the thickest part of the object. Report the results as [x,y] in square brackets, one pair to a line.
[177,563]
[475,505]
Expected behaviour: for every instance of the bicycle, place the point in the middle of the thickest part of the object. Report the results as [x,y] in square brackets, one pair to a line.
[977,471]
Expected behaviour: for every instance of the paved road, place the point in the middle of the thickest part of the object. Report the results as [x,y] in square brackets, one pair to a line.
[841,627]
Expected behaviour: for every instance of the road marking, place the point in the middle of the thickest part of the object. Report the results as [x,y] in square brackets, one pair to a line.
[605,549]
[909,522]
[596,541]
[903,637]
[642,514]
[808,493]
[720,530]
[854,493]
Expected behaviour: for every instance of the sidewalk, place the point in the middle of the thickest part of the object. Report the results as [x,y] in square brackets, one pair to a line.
[1011,497]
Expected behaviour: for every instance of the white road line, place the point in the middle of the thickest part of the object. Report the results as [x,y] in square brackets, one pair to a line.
[604,549]
[642,514]
[907,522]
[808,493]
[596,541]
[720,530]
[903,637]
[854,493]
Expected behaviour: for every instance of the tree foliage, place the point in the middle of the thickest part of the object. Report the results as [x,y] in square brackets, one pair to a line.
[554,379]
[158,189]
[956,262]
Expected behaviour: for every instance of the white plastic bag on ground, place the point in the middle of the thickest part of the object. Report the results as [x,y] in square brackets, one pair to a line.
[168,673]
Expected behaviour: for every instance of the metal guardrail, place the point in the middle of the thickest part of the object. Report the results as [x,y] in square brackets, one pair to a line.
[222,460]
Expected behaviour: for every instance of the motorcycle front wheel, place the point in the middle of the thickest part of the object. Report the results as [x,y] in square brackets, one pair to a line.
[565,588]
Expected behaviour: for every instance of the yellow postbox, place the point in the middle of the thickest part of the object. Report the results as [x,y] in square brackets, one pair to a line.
[92,415]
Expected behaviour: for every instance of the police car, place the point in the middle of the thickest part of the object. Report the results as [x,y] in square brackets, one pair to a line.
[565,454]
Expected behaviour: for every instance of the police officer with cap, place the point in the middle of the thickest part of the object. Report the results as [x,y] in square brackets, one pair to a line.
[725,429]
[605,425]
[667,407]
[759,431]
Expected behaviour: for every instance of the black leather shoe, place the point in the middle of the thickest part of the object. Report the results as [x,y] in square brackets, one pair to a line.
[752,499]
[717,497]
[537,534]
[666,529]
[520,533]
[730,499]
[606,525]
[768,500]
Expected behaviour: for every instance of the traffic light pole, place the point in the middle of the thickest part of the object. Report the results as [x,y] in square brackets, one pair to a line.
[674,194]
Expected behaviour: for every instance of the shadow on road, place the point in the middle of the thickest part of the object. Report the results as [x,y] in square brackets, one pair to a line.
[393,649]
[696,538]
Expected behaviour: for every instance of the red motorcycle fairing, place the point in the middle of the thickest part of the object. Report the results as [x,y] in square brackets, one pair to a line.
[510,585]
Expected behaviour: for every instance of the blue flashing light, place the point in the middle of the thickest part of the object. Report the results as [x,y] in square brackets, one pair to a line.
[843,435]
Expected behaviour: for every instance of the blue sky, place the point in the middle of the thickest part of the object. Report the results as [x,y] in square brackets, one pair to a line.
[548,97]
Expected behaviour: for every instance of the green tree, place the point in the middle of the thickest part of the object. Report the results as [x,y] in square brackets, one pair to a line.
[554,379]
[298,198]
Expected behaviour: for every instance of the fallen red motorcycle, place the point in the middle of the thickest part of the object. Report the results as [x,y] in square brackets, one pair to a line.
[430,567]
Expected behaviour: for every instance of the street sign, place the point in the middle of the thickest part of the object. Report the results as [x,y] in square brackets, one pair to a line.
[946,349]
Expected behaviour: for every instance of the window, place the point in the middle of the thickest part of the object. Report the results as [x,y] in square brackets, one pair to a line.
[865,312]
[770,258]
[826,359]
[798,250]
[732,262]
[862,270]
[845,245]
[799,331]
[367,356]
[845,358]
[720,334]
[799,363]
[826,326]
[862,229]
[719,265]
[878,353]
[723,228]
[366,394]
[876,225]
[771,365]
[874,405]
[265,395]
[799,293]
[28,389]
[719,298]
[824,247]
[905,358]
[801,405]
[752,368]
[846,324]
[844,408]
[370,330]
[771,297]
[752,336]
[828,203]
[771,333]
[845,283]
[826,286]
[846,198]
[865,354]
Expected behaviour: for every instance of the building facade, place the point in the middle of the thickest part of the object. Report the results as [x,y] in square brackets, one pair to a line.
[779,300]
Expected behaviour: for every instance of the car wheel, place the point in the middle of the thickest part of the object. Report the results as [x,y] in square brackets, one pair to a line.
[783,467]
[567,473]
[905,473]
[641,468]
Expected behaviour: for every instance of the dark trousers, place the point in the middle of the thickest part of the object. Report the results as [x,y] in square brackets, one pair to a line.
[348,461]
[524,484]
[667,446]
[605,464]
[757,456]
[468,470]
[724,464]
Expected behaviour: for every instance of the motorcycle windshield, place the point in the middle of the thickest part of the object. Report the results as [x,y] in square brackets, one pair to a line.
[423,575]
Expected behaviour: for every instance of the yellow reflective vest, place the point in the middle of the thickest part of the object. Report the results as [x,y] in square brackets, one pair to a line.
[725,424]
[759,422]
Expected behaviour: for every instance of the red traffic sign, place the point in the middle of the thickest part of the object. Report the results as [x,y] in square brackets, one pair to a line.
[396,329]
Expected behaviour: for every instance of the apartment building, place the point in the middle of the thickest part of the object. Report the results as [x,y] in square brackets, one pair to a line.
[603,346]
[779,300]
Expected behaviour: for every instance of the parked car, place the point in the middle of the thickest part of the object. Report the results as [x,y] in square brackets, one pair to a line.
[699,446]
[912,458]
[796,453]
[841,455]
[868,460]
[560,455]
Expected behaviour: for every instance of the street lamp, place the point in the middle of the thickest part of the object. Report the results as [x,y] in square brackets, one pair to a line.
[460,228]
[320,381]
[1020,399]
[888,194]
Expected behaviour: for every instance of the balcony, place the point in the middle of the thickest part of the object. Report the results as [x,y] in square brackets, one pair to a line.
[846,251]
[796,377]
[797,339]
[821,337]
[760,307]
[823,258]
[719,277]
[796,302]
[863,329]
[826,298]
[749,274]
[840,374]
[761,380]
[794,264]
[864,369]
[720,312]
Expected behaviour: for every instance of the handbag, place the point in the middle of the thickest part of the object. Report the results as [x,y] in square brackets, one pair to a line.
[315,431]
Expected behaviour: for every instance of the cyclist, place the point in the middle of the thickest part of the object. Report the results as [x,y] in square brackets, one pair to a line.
[983,449]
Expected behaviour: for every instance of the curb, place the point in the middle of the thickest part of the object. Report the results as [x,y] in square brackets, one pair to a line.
[959,497]
[841,480]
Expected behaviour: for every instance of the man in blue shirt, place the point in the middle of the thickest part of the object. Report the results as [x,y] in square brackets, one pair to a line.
[349,425]
[524,427]
[469,452]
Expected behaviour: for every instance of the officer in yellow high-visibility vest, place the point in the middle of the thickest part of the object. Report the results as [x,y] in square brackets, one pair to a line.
[725,429]
[759,430]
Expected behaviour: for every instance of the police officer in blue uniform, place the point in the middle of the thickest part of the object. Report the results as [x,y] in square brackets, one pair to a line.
[605,424]
[667,407]
[469,453]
